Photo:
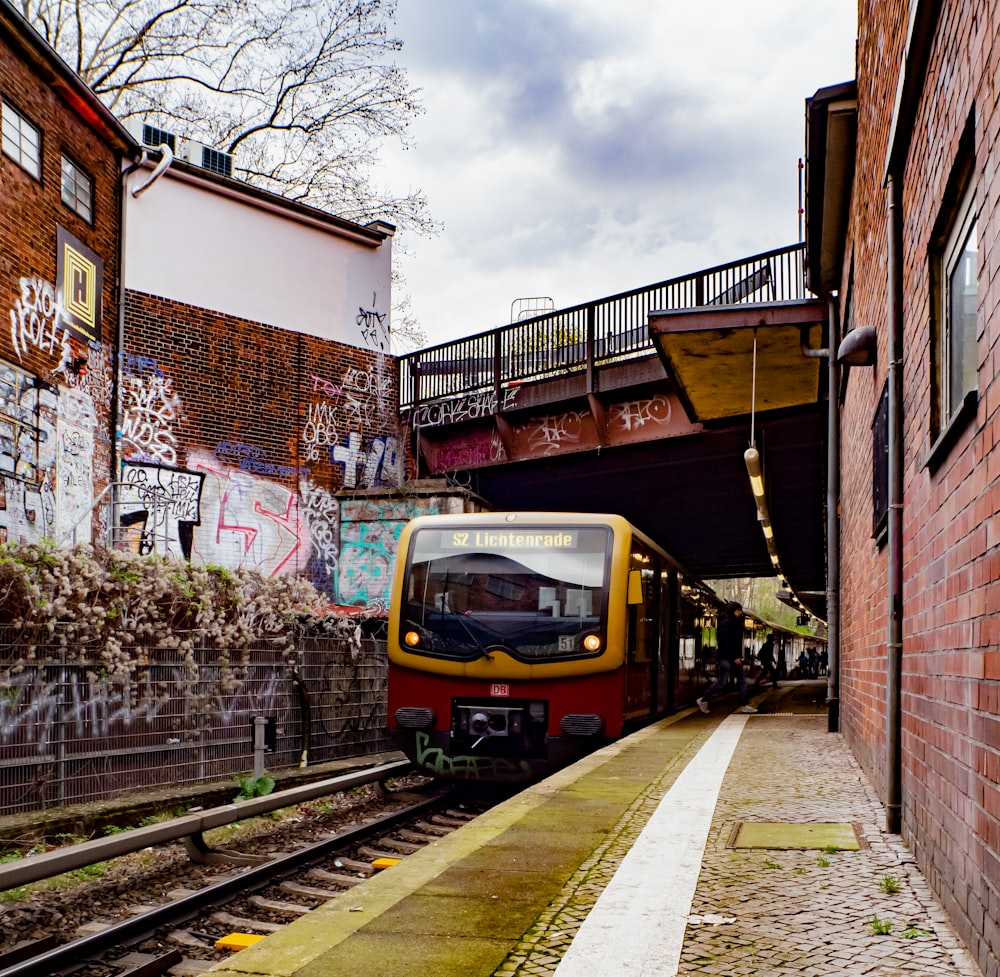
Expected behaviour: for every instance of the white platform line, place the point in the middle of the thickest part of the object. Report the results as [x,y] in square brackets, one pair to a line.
[637,925]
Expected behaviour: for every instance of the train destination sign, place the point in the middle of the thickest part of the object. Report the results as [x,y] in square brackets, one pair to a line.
[506,539]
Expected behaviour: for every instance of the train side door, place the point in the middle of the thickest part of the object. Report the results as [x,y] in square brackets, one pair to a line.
[643,639]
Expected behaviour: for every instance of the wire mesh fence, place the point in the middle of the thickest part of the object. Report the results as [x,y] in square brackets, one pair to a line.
[73,732]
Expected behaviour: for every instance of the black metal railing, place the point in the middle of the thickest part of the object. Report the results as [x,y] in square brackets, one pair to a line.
[588,335]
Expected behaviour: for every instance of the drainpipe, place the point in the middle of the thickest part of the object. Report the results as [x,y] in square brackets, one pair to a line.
[894,662]
[117,346]
[832,510]
[166,158]
[833,521]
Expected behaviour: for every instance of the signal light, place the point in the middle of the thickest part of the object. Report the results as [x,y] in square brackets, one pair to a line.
[592,642]
[412,639]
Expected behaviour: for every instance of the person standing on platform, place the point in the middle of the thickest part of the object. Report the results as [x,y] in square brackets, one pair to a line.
[766,658]
[730,659]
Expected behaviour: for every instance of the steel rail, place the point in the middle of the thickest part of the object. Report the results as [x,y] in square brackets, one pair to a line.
[190,826]
[69,955]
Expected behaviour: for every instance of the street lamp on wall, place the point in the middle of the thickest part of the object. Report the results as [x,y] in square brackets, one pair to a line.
[859,347]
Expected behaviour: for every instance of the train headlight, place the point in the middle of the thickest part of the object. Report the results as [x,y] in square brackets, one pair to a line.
[411,639]
[592,642]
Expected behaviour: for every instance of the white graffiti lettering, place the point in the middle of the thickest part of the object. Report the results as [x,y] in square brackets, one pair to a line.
[321,512]
[638,413]
[470,408]
[149,409]
[34,321]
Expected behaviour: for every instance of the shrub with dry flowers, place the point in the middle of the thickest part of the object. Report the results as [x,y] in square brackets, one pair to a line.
[115,608]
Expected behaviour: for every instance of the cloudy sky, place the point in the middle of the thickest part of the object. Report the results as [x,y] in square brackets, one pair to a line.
[579,148]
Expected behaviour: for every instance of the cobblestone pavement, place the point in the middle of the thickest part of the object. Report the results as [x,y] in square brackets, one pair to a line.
[779,912]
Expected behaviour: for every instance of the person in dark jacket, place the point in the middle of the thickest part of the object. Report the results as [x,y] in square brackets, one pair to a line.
[766,658]
[730,662]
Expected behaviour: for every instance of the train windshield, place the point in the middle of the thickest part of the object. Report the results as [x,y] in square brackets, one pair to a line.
[538,593]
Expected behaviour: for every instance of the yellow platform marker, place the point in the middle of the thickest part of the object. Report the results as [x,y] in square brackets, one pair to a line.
[237,941]
[381,863]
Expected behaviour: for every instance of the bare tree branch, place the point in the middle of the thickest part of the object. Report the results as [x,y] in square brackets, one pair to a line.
[302,92]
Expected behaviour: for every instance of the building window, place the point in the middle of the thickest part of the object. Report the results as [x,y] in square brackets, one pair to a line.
[957,373]
[21,141]
[77,189]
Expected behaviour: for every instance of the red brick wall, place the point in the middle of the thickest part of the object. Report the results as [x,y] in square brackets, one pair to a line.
[951,517]
[283,429]
[30,211]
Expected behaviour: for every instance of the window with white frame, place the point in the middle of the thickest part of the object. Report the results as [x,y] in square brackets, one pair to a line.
[20,140]
[77,189]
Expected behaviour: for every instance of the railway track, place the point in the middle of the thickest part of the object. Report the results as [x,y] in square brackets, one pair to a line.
[190,931]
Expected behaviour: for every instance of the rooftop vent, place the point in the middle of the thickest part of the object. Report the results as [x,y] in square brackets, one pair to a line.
[204,156]
[151,136]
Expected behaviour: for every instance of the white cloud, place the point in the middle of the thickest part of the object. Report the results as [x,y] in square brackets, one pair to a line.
[578,148]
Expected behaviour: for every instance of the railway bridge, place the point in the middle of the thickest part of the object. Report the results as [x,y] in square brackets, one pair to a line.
[644,404]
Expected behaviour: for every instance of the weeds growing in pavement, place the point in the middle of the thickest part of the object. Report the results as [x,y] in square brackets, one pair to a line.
[912,932]
[822,862]
[880,927]
[889,884]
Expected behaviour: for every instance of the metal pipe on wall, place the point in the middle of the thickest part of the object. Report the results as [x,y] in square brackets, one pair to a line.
[833,521]
[894,649]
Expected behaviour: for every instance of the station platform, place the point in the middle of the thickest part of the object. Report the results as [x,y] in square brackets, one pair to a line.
[719,844]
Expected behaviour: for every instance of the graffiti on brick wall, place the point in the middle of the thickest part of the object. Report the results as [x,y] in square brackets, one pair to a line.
[367,554]
[28,453]
[252,458]
[150,408]
[369,542]
[321,512]
[320,431]
[158,508]
[351,407]
[373,382]
[369,462]
[34,321]
[75,428]
[248,521]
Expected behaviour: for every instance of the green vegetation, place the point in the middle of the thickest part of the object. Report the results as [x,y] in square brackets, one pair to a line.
[250,787]
[889,883]
[880,927]
[116,611]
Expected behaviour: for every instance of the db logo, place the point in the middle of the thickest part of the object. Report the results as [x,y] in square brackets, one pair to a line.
[500,689]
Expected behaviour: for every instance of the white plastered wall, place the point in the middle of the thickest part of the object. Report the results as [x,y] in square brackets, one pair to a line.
[196,245]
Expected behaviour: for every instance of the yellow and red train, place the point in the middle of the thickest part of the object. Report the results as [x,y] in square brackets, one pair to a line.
[520,641]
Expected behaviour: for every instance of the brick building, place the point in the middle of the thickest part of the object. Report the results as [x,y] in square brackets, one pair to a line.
[60,199]
[902,224]
[258,394]
[241,402]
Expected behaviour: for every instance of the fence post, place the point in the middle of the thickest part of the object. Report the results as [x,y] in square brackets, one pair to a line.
[497,366]
[591,327]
